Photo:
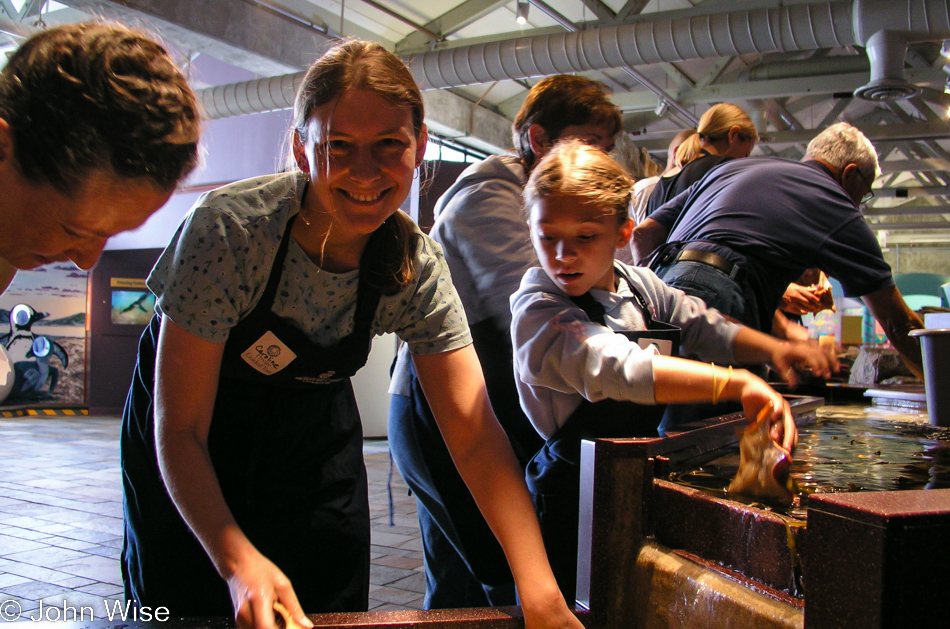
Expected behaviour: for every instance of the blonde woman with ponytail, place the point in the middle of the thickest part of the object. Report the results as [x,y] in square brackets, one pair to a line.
[724,132]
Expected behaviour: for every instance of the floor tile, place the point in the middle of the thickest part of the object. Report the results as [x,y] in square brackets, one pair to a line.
[61,519]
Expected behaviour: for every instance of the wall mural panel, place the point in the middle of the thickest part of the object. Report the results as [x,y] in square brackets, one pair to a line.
[43,337]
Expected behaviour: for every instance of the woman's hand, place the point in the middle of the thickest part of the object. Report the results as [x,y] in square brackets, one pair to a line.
[258,587]
[548,610]
[186,386]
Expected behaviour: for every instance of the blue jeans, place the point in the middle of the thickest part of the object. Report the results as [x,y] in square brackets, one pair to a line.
[726,295]
[714,287]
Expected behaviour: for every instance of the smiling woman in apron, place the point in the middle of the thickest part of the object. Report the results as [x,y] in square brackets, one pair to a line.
[596,340]
[241,442]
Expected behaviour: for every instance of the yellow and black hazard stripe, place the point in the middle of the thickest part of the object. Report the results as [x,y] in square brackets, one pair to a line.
[44,412]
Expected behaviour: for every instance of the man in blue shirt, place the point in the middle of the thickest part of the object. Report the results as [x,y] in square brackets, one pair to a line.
[737,237]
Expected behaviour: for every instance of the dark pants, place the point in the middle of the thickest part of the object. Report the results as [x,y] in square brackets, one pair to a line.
[465,565]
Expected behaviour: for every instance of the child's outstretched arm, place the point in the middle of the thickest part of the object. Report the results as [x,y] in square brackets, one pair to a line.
[681,381]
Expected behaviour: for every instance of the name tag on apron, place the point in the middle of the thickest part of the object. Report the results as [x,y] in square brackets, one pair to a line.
[662,338]
[662,347]
[268,355]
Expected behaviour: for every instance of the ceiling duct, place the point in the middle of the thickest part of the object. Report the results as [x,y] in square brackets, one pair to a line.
[820,66]
[884,26]
[886,51]
[777,29]
[250,97]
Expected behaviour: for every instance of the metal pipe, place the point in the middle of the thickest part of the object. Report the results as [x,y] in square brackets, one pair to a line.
[787,28]
[17,29]
[250,97]
[843,64]
[647,83]
[776,29]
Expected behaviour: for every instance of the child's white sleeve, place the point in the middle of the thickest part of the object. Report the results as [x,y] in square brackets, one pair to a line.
[557,347]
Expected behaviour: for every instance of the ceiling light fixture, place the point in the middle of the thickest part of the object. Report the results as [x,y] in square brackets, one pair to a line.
[521,13]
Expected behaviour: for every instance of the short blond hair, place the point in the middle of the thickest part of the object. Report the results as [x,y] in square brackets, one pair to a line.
[574,168]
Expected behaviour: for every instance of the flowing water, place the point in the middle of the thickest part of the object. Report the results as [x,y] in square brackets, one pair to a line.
[849,448]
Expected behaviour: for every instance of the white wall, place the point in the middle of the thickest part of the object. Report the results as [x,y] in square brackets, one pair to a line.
[231,149]
[371,385]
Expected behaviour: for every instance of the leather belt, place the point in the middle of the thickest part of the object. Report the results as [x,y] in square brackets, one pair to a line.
[728,267]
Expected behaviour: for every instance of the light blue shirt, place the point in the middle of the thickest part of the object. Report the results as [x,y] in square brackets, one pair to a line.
[214,271]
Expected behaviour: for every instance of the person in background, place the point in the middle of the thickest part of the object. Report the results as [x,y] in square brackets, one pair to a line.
[678,155]
[754,225]
[724,132]
[593,340]
[242,450]
[97,126]
[488,249]
[643,188]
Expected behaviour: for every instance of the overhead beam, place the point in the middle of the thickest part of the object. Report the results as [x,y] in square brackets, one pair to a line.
[836,110]
[909,226]
[930,164]
[679,77]
[631,9]
[451,21]
[8,9]
[31,8]
[904,192]
[601,10]
[402,18]
[715,71]
[246,34]
[453,117]
[915,239]
[776,88]
[905,210]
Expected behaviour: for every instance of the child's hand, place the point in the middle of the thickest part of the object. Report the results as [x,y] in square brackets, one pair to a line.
[785,432]
[802,355]
[762,402]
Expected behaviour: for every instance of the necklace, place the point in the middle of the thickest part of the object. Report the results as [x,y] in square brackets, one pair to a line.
[302,197]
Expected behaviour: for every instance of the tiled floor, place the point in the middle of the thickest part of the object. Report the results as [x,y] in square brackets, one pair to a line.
[61,520]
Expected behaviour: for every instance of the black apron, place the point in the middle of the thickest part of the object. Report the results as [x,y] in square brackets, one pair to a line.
[286,445]
[553,475]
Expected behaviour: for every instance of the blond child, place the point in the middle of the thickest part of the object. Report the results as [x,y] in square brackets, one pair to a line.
[581,375]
